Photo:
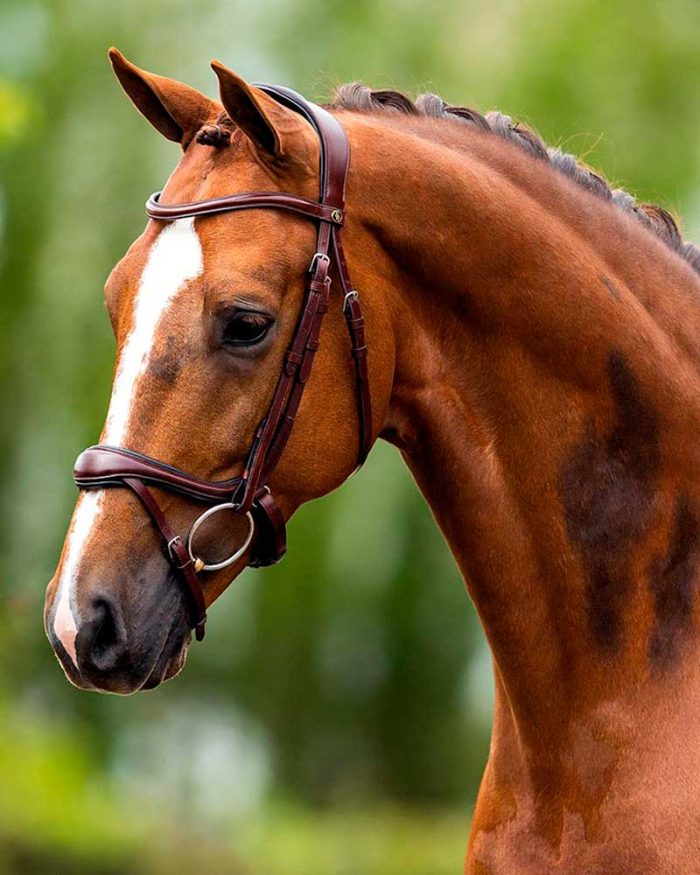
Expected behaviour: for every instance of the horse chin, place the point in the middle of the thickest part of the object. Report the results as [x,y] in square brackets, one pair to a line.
[123,684]
[167,668]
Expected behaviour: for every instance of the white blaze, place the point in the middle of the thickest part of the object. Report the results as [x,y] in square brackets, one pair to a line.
[64,624]
[175,259]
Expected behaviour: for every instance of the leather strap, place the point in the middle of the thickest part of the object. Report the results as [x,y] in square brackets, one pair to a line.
[271,541]
[253,200]
[356,328]
[103,465]
[274,431]
[177,554]
[355,321]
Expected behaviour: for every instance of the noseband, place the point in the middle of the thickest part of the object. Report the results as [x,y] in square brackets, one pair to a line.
[249,495]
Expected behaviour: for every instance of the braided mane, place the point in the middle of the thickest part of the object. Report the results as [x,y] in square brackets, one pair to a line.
[360,98]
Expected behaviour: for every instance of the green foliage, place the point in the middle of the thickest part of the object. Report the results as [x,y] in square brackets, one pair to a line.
[60,814]
[355,673]
[16,113]
[369,841]
[69,813]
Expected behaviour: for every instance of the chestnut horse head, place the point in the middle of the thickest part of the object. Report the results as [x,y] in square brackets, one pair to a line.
[534,350]
[213,356]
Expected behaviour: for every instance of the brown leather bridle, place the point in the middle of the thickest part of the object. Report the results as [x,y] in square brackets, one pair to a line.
[249,494]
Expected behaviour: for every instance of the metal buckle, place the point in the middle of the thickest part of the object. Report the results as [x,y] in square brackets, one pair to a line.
[319,256]
[216,566]
[170,545]
[173,557]
[351,295]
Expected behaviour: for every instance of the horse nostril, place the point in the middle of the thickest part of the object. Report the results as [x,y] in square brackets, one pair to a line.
[101,643]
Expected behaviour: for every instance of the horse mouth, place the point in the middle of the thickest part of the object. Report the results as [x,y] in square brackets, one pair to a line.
[136,669]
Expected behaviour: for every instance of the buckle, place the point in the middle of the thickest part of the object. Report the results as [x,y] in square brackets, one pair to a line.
[352,295]
[171,553]
[319,256]
[174,558]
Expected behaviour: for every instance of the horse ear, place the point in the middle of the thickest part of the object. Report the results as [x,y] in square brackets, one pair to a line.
[266,124]
[173,108]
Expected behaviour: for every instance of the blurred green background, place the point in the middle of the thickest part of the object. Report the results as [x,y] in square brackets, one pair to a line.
[336,719]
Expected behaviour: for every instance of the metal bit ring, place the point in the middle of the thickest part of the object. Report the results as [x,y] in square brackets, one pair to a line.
[216,566]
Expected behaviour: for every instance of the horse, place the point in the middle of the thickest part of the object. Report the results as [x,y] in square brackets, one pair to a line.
[533,344]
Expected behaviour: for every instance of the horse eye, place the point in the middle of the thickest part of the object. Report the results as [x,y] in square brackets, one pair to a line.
[245,329]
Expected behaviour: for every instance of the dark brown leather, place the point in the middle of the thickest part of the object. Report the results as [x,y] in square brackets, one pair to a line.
[103,466]
[254,200]
[271,530]
[177,555]
[356,327]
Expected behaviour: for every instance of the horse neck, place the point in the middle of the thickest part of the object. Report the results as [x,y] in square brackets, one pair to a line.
[544,397]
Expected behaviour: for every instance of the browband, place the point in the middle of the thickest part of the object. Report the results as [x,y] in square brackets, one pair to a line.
[254,200]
